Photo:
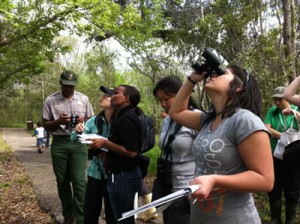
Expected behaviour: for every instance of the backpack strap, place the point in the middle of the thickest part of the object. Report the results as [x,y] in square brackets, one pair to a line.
[167,148]
[98,123]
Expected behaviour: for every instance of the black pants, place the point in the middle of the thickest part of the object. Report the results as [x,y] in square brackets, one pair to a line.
[96,191]
[286,181]
[178,212]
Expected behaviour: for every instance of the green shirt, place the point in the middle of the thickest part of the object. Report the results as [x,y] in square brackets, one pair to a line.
[276,119]
[95,169]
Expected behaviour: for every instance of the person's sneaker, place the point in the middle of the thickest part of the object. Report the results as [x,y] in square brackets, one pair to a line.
[40,151]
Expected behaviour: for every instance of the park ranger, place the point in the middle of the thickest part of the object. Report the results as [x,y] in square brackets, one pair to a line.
[61,111]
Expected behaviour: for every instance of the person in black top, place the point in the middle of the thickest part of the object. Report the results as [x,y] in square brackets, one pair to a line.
[124,175]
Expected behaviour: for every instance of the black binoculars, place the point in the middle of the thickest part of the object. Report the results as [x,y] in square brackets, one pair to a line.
[74,120]
[211,64]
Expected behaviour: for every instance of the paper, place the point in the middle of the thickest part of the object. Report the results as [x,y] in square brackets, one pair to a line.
[87,139]
[169,198]
[90,136]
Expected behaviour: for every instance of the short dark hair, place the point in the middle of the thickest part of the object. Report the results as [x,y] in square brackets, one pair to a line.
[133,94]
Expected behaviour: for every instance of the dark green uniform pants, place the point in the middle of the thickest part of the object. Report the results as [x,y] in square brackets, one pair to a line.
[69,164]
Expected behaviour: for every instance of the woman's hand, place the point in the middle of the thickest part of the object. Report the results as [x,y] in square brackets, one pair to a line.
[97,143]
[196,77]
[79,127]
[163,114]
[206,184]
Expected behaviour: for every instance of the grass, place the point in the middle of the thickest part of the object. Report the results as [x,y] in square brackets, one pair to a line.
[261,201]
[153,154]
[10,124]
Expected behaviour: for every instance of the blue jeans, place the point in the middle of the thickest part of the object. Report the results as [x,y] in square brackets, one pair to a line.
[122,188]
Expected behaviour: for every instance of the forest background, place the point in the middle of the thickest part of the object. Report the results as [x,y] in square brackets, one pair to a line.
[41,38]
[136,42]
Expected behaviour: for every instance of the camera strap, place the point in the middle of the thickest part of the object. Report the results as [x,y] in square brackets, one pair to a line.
[99,121]
[166,152]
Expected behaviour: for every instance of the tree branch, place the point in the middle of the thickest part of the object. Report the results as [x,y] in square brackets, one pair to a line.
[37,26]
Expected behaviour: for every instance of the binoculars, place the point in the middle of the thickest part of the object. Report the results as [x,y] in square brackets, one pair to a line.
[211,64]
[74,120]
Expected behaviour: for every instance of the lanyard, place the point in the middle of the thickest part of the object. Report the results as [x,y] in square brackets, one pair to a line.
[283,123]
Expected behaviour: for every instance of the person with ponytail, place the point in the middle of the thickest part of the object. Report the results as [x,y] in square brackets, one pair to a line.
[232,150]
[175,143]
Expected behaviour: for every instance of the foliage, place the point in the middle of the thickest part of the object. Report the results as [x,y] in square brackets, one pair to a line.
[163,37]
[262,205]
[153,154]
[26,38]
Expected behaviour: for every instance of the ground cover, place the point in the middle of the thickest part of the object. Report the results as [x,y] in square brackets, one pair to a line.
[18,203]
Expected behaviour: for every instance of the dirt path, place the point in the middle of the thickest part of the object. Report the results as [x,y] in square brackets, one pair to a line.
[39,168]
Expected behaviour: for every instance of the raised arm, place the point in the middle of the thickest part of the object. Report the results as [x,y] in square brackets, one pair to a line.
[290,93]
[179,109]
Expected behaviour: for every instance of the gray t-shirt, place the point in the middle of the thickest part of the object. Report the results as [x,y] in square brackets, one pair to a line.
[216,152]
[183,162]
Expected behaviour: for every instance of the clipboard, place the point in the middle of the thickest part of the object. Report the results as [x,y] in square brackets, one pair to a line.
[166,199]
[87,139]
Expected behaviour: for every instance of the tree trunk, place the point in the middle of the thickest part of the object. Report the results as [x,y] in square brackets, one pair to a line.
[288,36]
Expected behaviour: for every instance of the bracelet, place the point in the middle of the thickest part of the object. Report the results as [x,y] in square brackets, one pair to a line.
[191,81]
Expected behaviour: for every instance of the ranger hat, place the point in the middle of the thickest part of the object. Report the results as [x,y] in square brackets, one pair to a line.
[68,78]
[278,92]
[107,90]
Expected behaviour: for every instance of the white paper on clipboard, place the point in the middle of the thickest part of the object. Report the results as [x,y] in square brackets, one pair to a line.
[169,198]
[87,139]
[90,136]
